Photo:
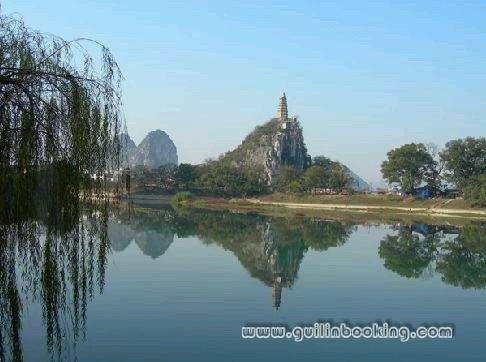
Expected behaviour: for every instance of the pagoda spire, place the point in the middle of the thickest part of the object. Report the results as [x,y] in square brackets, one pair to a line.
[277,293]
[282,112]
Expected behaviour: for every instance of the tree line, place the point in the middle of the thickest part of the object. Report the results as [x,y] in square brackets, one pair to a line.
[461,164]
[228,179]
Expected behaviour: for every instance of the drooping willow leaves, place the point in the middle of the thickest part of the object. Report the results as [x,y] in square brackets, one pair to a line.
[60,115]
[59,266]
[58,103]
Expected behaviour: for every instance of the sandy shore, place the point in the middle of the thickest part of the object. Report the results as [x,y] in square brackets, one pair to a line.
[421,210]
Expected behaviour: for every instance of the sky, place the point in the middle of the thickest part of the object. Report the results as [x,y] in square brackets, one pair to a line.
[363,76]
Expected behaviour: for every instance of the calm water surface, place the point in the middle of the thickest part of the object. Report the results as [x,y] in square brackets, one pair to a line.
[157,284]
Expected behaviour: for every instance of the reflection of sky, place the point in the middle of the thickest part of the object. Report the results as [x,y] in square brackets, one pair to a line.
[192,301]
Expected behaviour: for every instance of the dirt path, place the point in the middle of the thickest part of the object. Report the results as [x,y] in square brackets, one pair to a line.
[421,210]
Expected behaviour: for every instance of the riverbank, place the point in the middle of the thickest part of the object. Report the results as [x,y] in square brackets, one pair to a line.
[362,206]
[342,208]
[372,201]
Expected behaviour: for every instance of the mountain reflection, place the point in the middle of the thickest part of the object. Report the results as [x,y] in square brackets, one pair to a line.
[152,230]
[270,249]
[458,255]
[153,243]
[56,255]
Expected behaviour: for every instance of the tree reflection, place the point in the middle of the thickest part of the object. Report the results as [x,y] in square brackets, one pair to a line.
[406,254]
[321,235]
[463,261]
[459,255]
[271,249]
[53,251]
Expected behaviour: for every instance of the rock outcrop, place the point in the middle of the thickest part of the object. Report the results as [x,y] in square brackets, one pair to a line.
[156,149]
[277,143]
[357,183]
[128,148]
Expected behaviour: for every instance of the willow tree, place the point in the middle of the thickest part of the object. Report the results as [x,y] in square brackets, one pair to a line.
[60,114]
[58,102]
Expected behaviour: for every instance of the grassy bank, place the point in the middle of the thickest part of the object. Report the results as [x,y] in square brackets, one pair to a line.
[361,208]
[391,201]
[356,207]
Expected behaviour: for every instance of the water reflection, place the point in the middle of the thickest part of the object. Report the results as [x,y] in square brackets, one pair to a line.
[56,256]
[270,249]
[407,254]
[462,261]
[53,252]
[458,255]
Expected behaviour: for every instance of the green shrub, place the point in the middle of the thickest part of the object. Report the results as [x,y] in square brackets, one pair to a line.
[475,191]
[394,197]
[288,180]
[228,180]
[182,197]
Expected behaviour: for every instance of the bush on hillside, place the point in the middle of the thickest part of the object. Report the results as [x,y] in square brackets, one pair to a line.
[475,191]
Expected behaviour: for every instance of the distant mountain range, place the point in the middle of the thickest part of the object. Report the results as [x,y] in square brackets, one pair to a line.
[357,182]
[155,150]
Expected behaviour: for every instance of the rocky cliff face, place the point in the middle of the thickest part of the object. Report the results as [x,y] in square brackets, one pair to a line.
[357,183]
[155,150]
[275,144]
[128,148]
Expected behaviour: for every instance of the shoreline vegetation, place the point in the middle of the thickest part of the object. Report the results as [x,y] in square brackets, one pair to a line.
[419,177]
[366,207]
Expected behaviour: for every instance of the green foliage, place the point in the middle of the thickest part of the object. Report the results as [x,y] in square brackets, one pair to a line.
[394,198]
[475,191]
[182,197]
[407,165]
[464,159]
[321,235]
[288,180]
[323,161]
[164,176]
[185,175]
[60,116]
[293,187]
[316,177]
[252,141]
[406,254]
[339,178]
[337,175]
[464,259]
[51,109]
[228,180]
[434,175]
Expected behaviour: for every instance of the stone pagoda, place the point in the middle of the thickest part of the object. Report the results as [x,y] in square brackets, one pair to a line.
[282,111]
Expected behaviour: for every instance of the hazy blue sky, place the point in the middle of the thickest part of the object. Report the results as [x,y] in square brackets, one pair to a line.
[363,77]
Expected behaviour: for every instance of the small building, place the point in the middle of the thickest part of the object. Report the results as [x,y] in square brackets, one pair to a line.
[395,190]
[423,192]
[451,193]
[323,191]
